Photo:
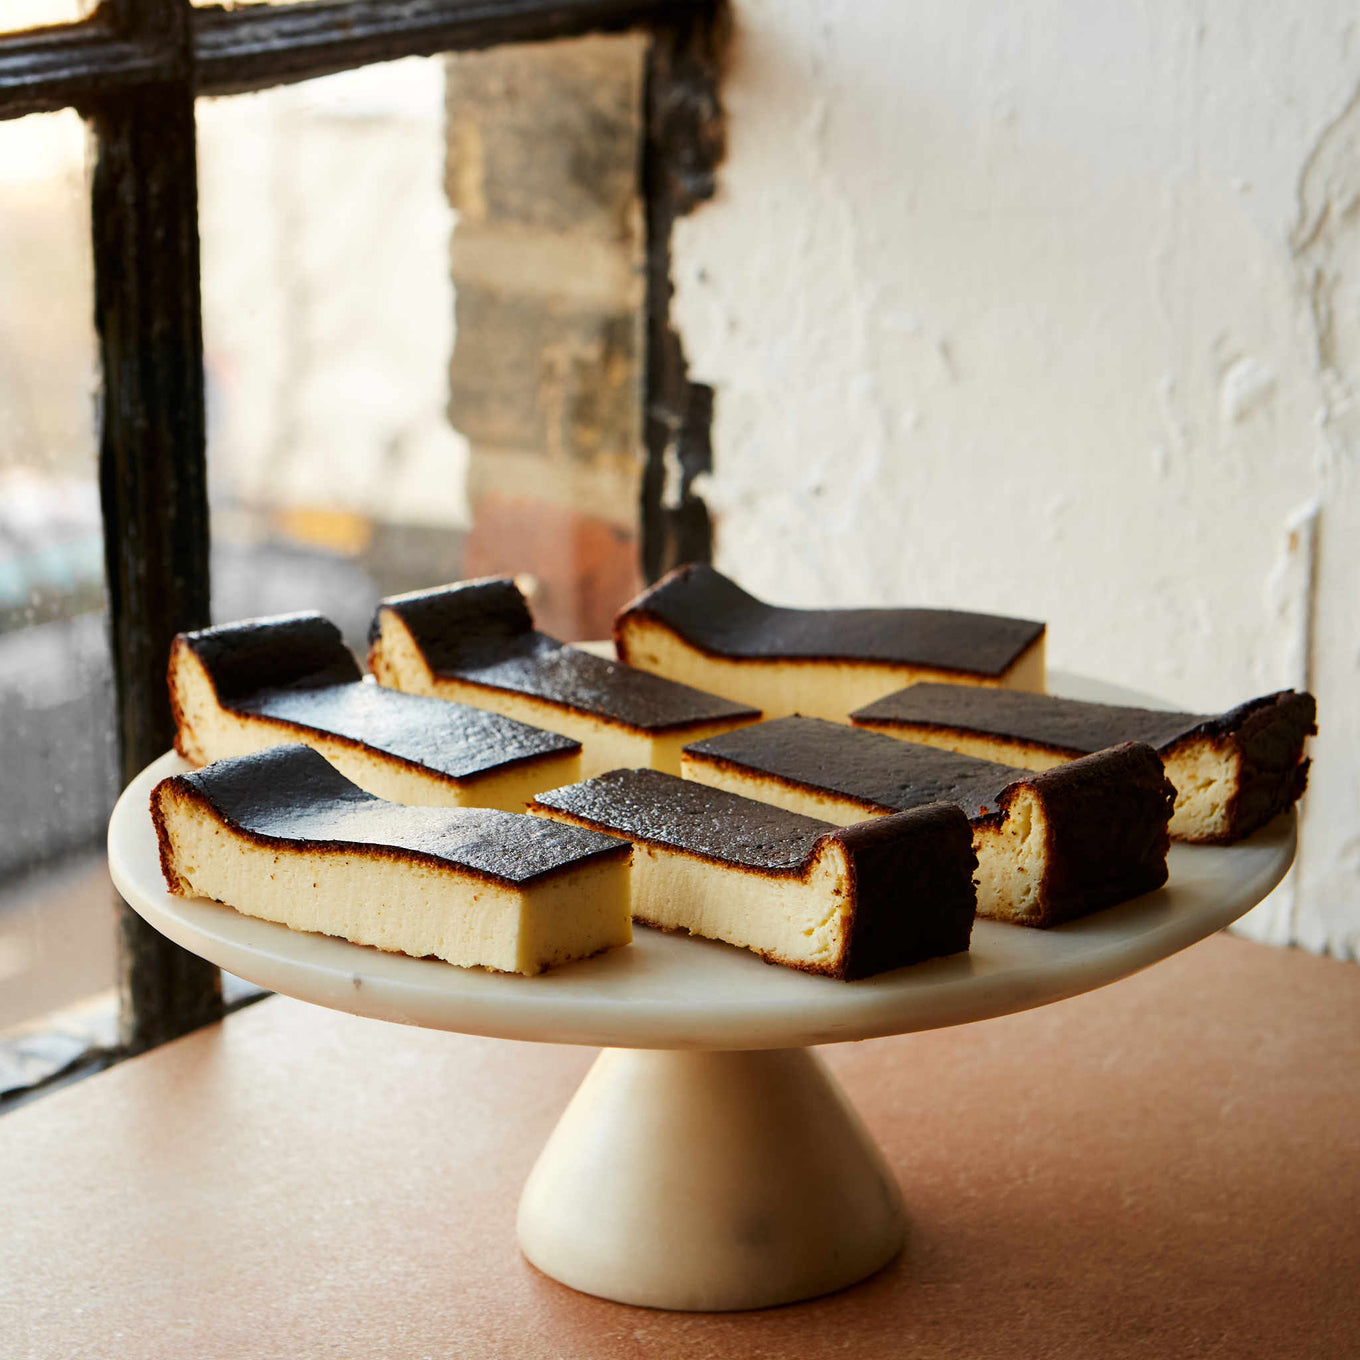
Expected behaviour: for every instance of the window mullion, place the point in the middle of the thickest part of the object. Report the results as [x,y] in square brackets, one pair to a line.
[152,458]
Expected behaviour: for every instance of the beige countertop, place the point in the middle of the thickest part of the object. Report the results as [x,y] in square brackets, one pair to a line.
[1164,1167]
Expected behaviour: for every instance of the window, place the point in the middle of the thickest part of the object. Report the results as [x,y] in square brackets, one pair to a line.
[56,689]
[133,70]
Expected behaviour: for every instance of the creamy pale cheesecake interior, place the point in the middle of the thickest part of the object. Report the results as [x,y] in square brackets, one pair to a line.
[283,836]
[794,889]
[1232,771]
[698,627]
[248,686]
[1050,847]
[474,642]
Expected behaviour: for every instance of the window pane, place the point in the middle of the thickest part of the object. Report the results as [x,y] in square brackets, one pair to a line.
[327,210]
[328,323]
[543,159]
[56,716]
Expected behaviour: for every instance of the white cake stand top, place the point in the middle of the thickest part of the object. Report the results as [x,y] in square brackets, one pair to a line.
[672,991]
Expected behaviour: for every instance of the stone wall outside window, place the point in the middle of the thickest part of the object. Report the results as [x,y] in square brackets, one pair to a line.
[543,153]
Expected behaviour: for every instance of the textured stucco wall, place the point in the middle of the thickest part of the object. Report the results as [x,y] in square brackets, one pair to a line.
[1055,310]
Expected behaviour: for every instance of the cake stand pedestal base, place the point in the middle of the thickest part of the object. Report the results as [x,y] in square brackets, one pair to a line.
[710,1180]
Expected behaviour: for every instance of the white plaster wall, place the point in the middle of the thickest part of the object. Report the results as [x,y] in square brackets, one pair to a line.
[1055,310]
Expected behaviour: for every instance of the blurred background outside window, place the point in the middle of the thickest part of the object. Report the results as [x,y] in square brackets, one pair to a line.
[335,475]
[56,701]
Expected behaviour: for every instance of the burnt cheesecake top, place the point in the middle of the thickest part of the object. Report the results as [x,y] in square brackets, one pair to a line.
[298,651]
[482,632]
[1075,726]
[866,767]
[290,793]
[715,615]
[888,775]
[680,814]
[297,670]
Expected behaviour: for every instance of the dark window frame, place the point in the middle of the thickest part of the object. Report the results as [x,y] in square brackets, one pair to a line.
[133,70]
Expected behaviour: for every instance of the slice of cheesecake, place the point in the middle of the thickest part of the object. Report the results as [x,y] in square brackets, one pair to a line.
[283,836]
[1233,772]
[1051,847]
[246,686]
[475,642]
[848,903]
[698,627]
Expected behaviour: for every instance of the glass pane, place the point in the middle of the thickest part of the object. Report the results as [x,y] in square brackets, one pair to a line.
[17,15]
[548,264]
[337,217]
[56,724]
[328,323]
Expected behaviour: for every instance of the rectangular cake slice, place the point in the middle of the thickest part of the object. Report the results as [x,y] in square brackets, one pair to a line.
[796,890]
[245,686]
[1051,847]
[283,836]
[696,626]
[475,642]
[1232,771]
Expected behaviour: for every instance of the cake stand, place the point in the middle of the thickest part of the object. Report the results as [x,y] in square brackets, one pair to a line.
[708,1160]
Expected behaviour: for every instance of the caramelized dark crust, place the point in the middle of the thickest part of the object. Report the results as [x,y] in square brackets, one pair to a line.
[1106,818]
[724,828]
[457,741]
[1105,815]
[295,673]
[914,897]
[879,773]
[714,615]
[1267,733]
[466,625]
[911,874]
[301,650]
[1076,727]
[291,798]
[1068,727]
[481,632]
